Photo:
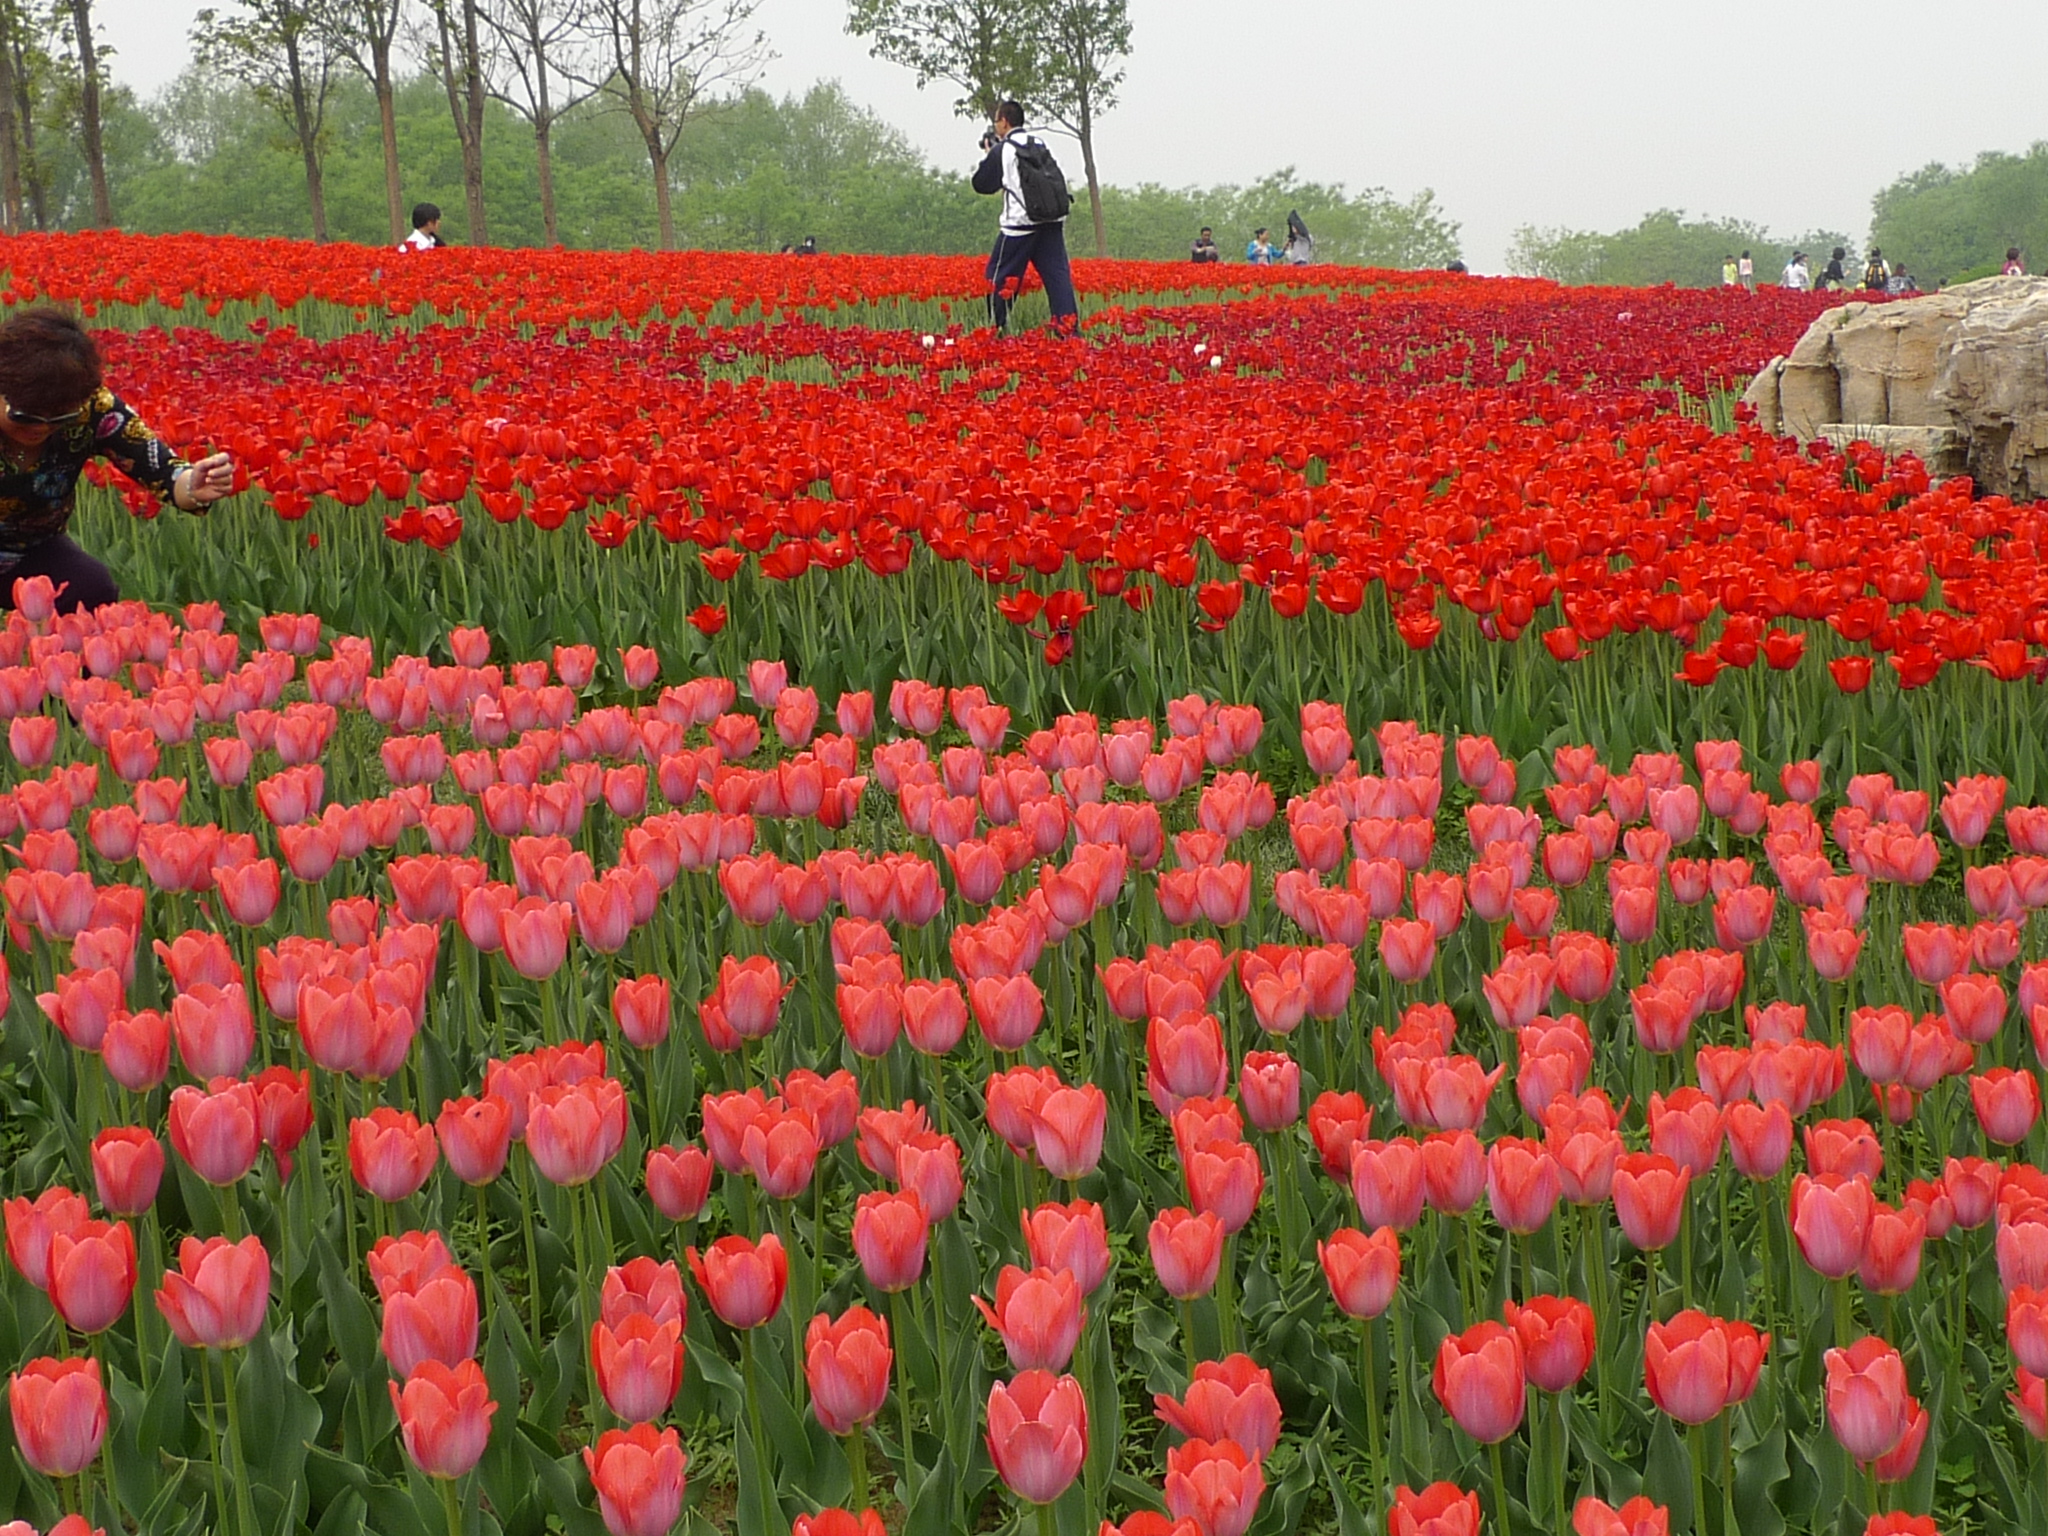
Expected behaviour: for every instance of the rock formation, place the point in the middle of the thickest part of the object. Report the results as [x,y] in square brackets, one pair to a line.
[1959,378]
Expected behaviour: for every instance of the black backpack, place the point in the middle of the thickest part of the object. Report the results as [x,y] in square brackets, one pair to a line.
[1046,198]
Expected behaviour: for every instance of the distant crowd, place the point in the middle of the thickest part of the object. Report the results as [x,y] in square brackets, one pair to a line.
[1878,275]
[1297,250]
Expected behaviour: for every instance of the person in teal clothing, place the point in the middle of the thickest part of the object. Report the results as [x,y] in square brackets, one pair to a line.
[1260,251]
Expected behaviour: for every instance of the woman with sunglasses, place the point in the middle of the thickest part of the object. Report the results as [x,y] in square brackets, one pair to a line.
[55,413]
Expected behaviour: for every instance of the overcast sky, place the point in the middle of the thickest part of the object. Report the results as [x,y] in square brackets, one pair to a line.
[1583,113]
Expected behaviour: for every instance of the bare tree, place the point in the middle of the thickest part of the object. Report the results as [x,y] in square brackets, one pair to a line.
[22,41]
[1085,42]
[78,24]
[541,46]
[282,50]
[363,34]
[13,26]
[991,49]
[456,53]
[661,58]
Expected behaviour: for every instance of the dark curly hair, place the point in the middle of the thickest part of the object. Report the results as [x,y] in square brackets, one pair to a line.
[48,362]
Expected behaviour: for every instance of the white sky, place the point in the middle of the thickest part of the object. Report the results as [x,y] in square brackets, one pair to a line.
[1584,113]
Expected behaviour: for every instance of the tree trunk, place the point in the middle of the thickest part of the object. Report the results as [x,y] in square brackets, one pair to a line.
[473,138]
[309,142]
[542,131]
[10,148]
[25,115]
[657,156]
[1087,137]
[394,197]
[543,127]
[89,113]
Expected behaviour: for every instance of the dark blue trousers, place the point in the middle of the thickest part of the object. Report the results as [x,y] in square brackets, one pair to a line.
[1044,249]
[82,582]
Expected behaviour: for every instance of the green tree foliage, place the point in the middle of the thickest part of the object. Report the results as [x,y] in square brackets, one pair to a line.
[750,172]
[1955,224]
[1666,247]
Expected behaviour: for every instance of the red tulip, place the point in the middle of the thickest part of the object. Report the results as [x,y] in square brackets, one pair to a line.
[574,1129]
[1067,1126]
[1867,1398]
[1696,1365]
[1230,1399]
[640,1007]
[444,1416]
[846,1362]
[1073,1237]
[127,1167]
[2030,1402]
[1363,1271]
[1638,1517]
[678,1181]
[216,1129]
[1217,1484]
[475,1137]
[743,1281]
[890,1231]
[217,1296]
[391,1153]
[1187,1252]
[1891,1254]
[839,1522]
[1225,1177]
[284,1111]
[1759,1139]
[1557,1339]
[638,1475]
[432,1318]
[92,1274]
[1522,1184]
[1831,1218]
[1387,1182]
[781,1150]
[1441,1509]
[641,1287]
[1037,1434]
[639,1365]
[2007,1104]
[1479,1379]
[1649,1199]
[1039,1314]
[1269,1085]
[60,1414]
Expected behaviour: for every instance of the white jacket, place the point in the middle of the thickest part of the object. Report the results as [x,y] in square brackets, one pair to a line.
[998,172]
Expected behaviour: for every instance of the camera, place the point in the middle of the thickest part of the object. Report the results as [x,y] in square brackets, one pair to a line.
[988,141]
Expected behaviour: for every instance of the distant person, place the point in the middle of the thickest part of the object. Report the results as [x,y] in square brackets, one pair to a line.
[1745,272]
[1457,267]
[809,247]
[1832,276]
[2014,266]
[1796,278]
[1301,245]
[426,229]
[1877,272]
[1260,251]
[1900,282]
[1731,275]
[1032,228]
[1205,252]
[56,413]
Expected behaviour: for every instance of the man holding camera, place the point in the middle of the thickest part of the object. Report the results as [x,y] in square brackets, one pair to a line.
[1032,229]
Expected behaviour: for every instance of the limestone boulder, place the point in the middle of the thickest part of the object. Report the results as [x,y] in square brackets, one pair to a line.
[1968,365]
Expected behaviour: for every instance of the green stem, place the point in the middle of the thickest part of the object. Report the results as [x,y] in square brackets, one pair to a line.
[1369,1379]
[452,1504]
[220,1501]
[857,1459]
[896,1305]
[245,1509]
[1500,1488]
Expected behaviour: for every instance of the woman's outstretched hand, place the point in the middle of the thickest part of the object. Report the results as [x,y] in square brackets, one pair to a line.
[204,483]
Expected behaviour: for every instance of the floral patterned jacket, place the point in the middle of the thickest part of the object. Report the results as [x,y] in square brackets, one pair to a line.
[36,503]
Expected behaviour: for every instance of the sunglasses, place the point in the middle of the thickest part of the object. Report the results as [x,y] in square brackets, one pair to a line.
[30,419]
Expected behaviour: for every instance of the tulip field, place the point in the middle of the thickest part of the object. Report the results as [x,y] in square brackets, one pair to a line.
[719,901]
